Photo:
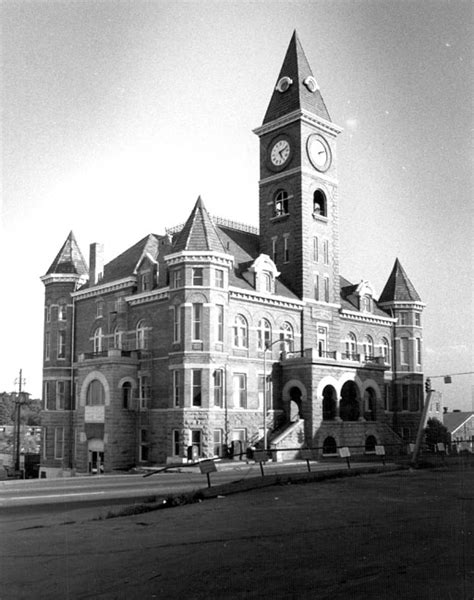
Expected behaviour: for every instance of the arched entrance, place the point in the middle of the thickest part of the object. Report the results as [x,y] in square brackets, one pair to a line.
[349,409]
[295,404]
[329,403]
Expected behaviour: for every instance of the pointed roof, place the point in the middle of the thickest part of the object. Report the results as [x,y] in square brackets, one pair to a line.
[298,95]
[69,259]
[398,287]
[199,232]
[454,420]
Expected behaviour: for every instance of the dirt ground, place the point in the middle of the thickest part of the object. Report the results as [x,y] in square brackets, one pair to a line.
[402,536]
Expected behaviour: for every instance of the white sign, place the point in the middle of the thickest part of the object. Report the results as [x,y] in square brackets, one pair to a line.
[344,452]
[380,450]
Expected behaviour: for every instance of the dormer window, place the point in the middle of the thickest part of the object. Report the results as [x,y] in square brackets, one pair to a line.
[280,206]
[145,281]
[265,272]
[267,281]
[365,292]
[319,204]
[366,303]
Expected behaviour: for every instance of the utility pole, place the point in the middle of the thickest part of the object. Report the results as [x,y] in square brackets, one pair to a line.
[18,401]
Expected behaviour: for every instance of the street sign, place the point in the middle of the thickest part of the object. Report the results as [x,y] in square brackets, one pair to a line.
[344,452]
[207,466]
[260,456]
[380,450]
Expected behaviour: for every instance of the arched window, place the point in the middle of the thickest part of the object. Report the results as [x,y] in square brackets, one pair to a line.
[319,204]
[264,334]
[241,338]
[98,340]
[127,395]
[368,347]
[349,409]
[385,349]
[351,347]
[370,443]
[329,446]
[366,303]
[95,394]
[286,337]
[118,338]
[141,335]
[280,204]
[267,281]
[329,403]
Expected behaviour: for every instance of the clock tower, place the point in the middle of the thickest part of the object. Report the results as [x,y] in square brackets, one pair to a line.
[298,193]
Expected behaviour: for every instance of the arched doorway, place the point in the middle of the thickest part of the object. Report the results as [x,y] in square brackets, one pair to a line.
[329,446]
[349,409]
[95,447]
[329,403]
[370,443]
[295,404]
[369,404]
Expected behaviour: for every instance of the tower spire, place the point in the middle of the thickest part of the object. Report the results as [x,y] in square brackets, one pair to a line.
[296,87]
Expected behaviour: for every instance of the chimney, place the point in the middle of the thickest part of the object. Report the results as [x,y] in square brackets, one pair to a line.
[96,263]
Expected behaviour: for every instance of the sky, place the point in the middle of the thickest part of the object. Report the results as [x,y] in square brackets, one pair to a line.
[116,115]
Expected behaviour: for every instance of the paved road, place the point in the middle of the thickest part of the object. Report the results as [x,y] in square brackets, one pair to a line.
[24,496]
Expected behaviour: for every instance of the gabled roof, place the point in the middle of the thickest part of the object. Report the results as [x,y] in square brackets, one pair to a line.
[350,299]
[298,95]
[150,251]
[199,232]
[398,287]
[69,259]
[454,420]
[124,265]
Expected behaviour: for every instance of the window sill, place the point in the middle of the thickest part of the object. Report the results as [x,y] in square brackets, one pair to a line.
[279,217]
[321,218]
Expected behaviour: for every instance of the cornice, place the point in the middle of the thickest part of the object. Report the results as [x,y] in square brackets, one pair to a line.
[408,304]
[305,116]
[366,317]
[148,296]
[113,286]
[60,278]
[219,258]
[271,300]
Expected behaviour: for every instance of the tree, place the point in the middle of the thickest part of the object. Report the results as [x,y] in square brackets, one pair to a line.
[436,432]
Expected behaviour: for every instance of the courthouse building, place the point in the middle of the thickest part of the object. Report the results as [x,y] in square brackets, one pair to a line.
[213,335]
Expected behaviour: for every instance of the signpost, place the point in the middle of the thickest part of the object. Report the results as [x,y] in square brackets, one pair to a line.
[380,451]
[207,467]
[261,457]
[344,452]
[307,455]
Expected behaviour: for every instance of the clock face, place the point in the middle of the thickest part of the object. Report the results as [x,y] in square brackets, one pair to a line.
[280,153]
[319,152]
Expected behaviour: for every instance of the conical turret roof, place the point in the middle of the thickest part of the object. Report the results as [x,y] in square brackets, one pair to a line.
[302,93]
[398,287]
[69,259]
[199,232]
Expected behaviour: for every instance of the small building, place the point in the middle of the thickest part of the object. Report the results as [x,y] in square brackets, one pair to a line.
[460,425]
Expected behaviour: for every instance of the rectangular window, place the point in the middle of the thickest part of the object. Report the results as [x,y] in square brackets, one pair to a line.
[47,345]
[404,350]
[315,249]
[219,278]
[418,351]
[77,442]
[326,252]
[261,390]
[44,438]
[60,395]
[417,319]
[218,387]
[48,313]
[100,309]
[197,387]
[145,391]
[197,322]
[316,286]
[405,396]
[403,318]
[145,282]
[176,324]
[286,251]
[240,390]
[176,443]
[176,388]
[217,442]
[274,249]
[198,276]
[144,443]
[176,280]
[59,442]
[326,289]
[62,312]
[196,440]
[220,322]
[61,344]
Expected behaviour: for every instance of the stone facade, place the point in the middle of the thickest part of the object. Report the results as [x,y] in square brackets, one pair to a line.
[170,346]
